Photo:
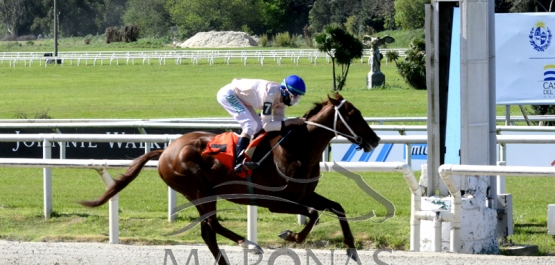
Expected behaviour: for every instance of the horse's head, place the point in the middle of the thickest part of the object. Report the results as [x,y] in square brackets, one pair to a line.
[346,120]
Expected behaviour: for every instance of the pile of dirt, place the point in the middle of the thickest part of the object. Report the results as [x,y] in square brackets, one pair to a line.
[219,39]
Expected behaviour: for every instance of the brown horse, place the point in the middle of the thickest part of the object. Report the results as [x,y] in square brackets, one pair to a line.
[283,184]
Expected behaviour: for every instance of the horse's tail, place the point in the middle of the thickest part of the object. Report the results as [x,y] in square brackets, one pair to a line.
[126,178]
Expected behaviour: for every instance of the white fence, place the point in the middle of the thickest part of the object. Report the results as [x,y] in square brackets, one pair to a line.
[101,165]
[178,56]
[110,122]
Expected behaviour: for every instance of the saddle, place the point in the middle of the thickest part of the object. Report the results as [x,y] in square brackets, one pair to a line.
[222,147]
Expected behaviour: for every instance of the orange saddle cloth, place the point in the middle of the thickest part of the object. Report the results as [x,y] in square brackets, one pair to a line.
[222,147]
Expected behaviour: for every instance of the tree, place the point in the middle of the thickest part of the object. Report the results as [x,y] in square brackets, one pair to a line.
[518,6]
[326,12]
[77,18]
[12,14]
[342,48]
[409,14]
[150,15]
[193,16]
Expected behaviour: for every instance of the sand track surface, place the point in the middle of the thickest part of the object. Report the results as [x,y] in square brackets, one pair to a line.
[13,252]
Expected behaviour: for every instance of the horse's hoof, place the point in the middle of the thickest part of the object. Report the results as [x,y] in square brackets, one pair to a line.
[252,247]
[285,234]
[353,254]
[256,250]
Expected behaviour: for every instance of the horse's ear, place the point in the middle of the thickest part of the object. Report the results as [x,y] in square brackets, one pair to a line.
[335,99]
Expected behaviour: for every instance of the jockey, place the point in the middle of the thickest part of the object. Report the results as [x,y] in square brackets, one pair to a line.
[242,97]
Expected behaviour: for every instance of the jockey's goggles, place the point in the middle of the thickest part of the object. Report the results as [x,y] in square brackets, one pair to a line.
[294,99]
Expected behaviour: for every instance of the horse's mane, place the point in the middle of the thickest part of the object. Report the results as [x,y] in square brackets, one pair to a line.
[315,110]
[318,106]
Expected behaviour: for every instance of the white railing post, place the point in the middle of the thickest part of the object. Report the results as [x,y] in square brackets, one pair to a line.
[252,219]
[113,206]
[47,179]
[171,204]
[408,159]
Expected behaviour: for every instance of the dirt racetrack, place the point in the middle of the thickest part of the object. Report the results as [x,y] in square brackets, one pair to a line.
[13,252]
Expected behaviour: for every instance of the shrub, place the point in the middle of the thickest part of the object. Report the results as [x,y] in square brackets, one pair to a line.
[124,34]
[392,56]
[544,110]
[413,69]
[245,28]
[307,36]
[263,41]
[88,39]
[282,39]
[9,37]
[27,37]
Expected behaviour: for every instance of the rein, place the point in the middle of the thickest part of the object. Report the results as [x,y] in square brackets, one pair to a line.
[353,135]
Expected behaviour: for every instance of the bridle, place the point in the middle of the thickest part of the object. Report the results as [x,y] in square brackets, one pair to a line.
[353,135]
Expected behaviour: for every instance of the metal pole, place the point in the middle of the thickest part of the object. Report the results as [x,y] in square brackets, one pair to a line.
[55,31]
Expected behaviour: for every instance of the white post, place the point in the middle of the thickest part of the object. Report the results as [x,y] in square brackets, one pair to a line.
[301,219]
[47,179]
[171,204]
[416,201]
[113,206]
[436,234]
[408,150]
[252,217]
[62,146]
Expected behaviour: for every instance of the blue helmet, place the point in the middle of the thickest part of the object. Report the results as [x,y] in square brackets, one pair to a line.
[294,84]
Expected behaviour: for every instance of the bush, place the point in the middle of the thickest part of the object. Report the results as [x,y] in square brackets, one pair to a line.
[544,110]
[124,34]
[307,36]
[245,28]
[9,37]
[413,69]
[263,41]
[150,43]
[392,56]
[282,39]
[88,39]
[27,37]
[294,39]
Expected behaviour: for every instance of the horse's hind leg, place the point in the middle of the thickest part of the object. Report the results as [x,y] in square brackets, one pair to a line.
[211,226]
[209,238]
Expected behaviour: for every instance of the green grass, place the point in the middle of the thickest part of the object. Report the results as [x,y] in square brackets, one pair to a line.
[144,218]
[178,91]
[186,90]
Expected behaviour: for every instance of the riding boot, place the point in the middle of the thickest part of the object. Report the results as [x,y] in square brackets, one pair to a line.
[242,144]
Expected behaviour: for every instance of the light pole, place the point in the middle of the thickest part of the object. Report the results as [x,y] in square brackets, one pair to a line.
[55,31]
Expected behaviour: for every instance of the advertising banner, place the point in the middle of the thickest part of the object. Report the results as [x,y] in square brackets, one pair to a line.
[525,59]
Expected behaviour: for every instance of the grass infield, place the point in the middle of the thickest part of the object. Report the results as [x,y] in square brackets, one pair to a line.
[187,90]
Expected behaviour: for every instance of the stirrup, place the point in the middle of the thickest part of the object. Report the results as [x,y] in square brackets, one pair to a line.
[238,168]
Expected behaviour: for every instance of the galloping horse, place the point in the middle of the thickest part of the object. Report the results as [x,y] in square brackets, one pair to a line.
[283,184]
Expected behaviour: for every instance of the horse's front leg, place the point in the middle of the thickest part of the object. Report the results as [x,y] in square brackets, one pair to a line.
[320,203]
[290,208]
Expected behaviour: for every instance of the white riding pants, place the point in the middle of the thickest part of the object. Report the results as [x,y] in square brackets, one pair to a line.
[246,115]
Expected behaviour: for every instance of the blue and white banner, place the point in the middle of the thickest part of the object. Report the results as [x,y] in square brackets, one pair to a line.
[383,153]
[525,58]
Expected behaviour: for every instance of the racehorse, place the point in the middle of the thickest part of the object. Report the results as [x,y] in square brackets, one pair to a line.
[283,184]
